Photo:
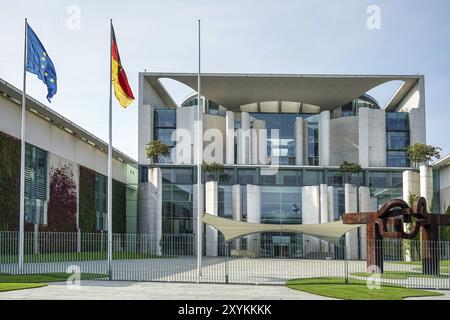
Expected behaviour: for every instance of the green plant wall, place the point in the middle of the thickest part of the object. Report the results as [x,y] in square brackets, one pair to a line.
[9,182]
[119,207]
[87,217]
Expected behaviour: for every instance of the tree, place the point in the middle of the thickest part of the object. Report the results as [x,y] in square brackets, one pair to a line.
[156,148]
[213,170]
[350,168]
[420,153]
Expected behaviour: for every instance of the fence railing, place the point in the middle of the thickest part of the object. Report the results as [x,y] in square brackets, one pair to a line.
[253,259]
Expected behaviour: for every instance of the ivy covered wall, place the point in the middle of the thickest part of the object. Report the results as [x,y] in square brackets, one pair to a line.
[87,217]
[62,205]
[119,207]
[9,182]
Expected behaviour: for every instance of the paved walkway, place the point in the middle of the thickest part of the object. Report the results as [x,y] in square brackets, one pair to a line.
[124,290]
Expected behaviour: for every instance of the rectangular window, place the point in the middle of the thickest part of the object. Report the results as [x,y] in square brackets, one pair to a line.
[379,179]
[397,159]
[313,178]
[397,140]
[165,118]
[247,176]
[36,170]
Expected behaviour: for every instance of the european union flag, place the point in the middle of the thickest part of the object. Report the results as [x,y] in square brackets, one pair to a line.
[39,63]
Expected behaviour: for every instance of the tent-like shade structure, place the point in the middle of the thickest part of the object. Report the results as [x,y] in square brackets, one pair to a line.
[233,229]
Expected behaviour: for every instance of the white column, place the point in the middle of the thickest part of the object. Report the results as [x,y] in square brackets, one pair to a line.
[258,142]
[330,203]
[298,134]
[154,212]
[194,210]
[236,198]
[244,139]
[426,184]
[351,205]
[229,137]
[324,138]
[310,215]
[324,203]
[411,185]
[366,204]
[211,207]
[363,137]
[253,215]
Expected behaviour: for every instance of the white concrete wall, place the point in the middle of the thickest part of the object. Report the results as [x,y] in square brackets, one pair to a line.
[330,203]
[324,204]
[417,124]
[145,129]
[253,215]
[372,137]
[426,184]
[414,103]
[229,137]
[411,184]
[211,207]
[310,215]
[351,205]
[366,204]
[243,140]
[194,210]
[45,135]
[184,135]
[258,142]
[214,133]
[236,198]
[444,183]
[298,135]
[324,138]
[344,140]
[150,208]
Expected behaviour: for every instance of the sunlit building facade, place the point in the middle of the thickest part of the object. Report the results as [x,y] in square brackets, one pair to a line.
[305,126]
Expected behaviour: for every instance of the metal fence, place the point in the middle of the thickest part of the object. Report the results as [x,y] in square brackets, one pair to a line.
[253,259]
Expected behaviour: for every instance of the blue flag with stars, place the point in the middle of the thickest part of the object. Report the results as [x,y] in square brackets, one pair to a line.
[39,63]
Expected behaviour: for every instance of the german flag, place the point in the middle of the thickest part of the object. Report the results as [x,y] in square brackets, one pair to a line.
[122,89]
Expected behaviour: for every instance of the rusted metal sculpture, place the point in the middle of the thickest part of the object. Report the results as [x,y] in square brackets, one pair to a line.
[388,223]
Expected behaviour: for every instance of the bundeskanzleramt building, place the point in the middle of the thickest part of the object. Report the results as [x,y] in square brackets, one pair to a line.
[65,173]
[321,121]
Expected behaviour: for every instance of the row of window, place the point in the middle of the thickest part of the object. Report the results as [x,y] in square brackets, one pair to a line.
[397,139]
[284,177]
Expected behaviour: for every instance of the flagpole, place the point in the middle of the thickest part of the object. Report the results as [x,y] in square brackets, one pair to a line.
[199,167]
[22,157]
[110,150]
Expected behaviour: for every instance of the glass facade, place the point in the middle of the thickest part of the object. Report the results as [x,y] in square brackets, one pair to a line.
[397,139]
[177,200]
[281,205]
[164,125]
[313,140]
[283,145]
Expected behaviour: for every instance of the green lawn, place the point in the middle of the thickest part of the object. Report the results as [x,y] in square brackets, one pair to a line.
[79,256]
[399,275]
[46,277]
[19,286]
[335,287]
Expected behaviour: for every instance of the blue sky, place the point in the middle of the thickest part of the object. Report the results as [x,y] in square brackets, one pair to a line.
[245,36]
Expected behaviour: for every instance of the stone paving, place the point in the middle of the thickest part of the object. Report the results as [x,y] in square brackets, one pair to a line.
[124,290]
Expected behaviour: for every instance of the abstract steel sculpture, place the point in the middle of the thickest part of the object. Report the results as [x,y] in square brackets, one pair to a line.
[388,223]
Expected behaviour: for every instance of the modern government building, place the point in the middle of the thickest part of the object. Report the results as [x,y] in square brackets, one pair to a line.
[281,139]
